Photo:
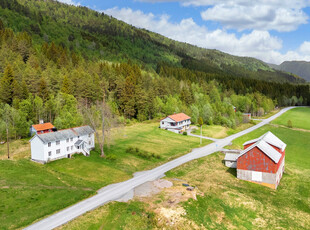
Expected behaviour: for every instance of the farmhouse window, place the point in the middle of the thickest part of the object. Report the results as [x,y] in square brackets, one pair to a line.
[57,142]
[67,149]
[57,151]
[72,147]
[71,139]
[89,142]
[89,135]
[68,140]
[49,153]
[163,122]
[49,144]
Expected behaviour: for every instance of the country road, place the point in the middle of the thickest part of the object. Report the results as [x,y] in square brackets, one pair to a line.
[114,192]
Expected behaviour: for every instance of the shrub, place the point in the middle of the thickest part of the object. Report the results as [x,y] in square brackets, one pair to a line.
[111,157]
[143,154]
[131,150]
[289,124]
[185,133]
[253,122]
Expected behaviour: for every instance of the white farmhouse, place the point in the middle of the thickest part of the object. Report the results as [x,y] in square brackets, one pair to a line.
[62,144]
[177,123]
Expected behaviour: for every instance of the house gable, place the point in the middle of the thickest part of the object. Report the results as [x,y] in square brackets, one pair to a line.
[167,119]
[256,160]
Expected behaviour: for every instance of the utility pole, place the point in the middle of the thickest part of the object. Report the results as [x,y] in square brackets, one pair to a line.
[200,134]
[200,122]
[7,141]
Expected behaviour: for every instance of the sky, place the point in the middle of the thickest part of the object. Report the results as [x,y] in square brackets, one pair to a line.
[270,30]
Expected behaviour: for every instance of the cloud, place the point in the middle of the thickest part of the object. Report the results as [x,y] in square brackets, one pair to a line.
[256,16]
[305,48]
[279,15]
[259,44]
[70,2]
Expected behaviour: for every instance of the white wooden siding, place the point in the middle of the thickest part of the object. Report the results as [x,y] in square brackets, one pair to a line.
[39,150]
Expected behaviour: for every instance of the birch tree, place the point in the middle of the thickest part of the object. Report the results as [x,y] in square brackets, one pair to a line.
[101,118]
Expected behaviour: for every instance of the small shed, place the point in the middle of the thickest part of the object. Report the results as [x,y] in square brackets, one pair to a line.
[231,160]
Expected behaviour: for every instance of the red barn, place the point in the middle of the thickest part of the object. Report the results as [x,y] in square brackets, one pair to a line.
[262,160]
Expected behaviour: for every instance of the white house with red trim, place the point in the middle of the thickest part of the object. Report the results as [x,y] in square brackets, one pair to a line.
[176,123]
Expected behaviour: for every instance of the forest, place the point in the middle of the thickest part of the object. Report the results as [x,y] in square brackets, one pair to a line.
[54,66]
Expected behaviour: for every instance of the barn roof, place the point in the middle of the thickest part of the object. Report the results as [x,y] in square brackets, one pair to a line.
[231,157]
[265,148]
[179,117]
[271,139]
[65,134]
[41,127]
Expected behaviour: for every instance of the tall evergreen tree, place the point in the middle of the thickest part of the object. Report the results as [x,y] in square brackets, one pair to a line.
[67,86]
[128,96]
[24,89]
[17,90]
[43,91]
[6,87]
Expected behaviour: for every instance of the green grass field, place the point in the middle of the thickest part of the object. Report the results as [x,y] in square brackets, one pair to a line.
[217,131]
[300,118]
[223,201]
[30,191]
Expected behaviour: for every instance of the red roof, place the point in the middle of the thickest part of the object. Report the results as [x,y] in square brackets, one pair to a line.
[179,117]
[41,127]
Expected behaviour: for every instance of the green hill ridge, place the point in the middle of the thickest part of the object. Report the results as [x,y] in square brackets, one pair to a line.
[99,36]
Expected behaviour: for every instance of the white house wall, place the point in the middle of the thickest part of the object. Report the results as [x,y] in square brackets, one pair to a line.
[37,149]
[40,151]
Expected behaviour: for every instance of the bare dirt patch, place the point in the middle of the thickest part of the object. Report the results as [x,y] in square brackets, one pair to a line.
[164,197]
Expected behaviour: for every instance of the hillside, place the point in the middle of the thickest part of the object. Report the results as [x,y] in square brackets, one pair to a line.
[98,36]
[300,68]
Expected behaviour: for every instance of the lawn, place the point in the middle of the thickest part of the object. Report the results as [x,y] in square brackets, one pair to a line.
[300,118]
[30,191]
[223,201]
[217,131]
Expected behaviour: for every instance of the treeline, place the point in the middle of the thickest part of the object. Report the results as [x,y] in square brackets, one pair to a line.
[284,94]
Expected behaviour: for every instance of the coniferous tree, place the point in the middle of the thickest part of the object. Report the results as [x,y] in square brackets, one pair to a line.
[24,90]
[67,86]
[128,96]
[17,90]
[43,91]
[6,87]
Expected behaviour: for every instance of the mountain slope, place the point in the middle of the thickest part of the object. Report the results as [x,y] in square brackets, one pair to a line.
[98,36]
[300,68]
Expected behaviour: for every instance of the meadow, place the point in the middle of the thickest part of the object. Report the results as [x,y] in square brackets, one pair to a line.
[222,201]
[30,191]
[217,131]
[300,118]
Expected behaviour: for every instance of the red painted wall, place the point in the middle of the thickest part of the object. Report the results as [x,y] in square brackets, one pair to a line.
[256,160]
